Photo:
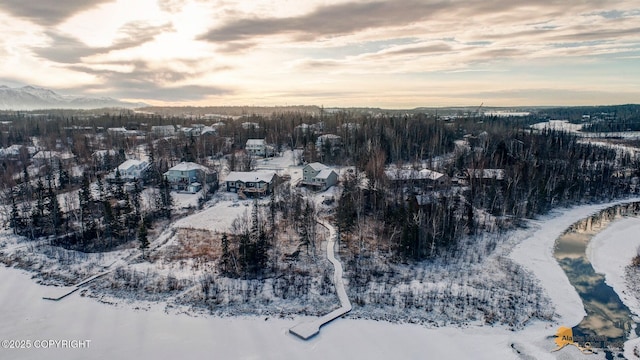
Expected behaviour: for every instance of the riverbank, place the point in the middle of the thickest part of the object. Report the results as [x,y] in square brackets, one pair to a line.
[535,253]
[610,252]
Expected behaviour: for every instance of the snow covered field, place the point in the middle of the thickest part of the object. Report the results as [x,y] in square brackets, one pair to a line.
[122,332]
[118,332]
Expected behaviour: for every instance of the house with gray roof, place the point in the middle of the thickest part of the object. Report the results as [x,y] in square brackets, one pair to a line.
[319,176]
[251,183]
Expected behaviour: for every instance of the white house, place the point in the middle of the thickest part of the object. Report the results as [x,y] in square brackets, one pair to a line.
[319,176]
[256,147]
[131,169]
[424,176]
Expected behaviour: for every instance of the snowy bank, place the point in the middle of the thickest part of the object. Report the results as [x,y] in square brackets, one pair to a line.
[611,251]
[535,253]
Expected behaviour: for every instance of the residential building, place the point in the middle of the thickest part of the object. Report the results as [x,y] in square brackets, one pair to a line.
[319,176]
[251,184]
[485,175]
[163,130]
[250,125]
[417,177]
[52,158]
[183,175]
[332,139]
[124,132]
[256,147]
[131,169]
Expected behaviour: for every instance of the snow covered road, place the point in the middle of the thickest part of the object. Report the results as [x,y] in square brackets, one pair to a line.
[308,330]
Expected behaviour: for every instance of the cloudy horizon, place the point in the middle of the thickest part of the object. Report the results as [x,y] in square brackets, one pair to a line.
[401,54]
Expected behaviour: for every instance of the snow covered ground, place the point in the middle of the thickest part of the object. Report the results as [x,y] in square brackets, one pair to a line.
[558,125]
[125,333]
[218,218]
[610,252]
[122,332]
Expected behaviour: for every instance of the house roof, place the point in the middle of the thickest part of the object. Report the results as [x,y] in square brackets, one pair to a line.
[132,162]
[255,142]
[497,174]
[251,176]
[188,166]
[208,130]
[324,174]
[329,137]
[409,174]
[103,153]
[316,166]
[45,154]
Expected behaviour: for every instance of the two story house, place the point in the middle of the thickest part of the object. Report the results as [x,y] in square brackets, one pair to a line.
[256,147]
[251,184]
[319,176]
[188,176]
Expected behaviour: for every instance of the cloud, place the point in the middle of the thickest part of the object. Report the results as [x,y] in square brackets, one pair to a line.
[328,20]
[171,6]
[477,19]
[145,81]
[47,12]
[67,49]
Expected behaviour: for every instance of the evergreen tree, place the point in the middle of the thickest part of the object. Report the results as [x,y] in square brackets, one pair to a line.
[38,212]
[135,200]
[25,175]
[63,176]
[101,192]
[56,217]
[142,238]
[164,203]
[110,223]
[119,192]
[16,221]
[225,260]
[87,223]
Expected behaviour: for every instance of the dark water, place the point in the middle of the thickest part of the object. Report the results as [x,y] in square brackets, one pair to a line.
[608,322]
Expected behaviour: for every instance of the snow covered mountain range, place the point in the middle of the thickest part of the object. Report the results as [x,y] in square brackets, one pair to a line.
[33,98]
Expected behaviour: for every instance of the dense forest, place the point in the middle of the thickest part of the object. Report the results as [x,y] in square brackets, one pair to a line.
[499,170]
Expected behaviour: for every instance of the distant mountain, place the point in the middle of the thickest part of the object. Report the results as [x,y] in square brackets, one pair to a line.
[35,98]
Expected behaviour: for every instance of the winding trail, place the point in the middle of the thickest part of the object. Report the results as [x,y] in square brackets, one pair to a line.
[307,330]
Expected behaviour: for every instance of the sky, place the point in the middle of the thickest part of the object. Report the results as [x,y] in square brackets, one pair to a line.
[393,54]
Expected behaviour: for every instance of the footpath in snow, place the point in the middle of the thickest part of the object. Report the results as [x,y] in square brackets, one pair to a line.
[307,330]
